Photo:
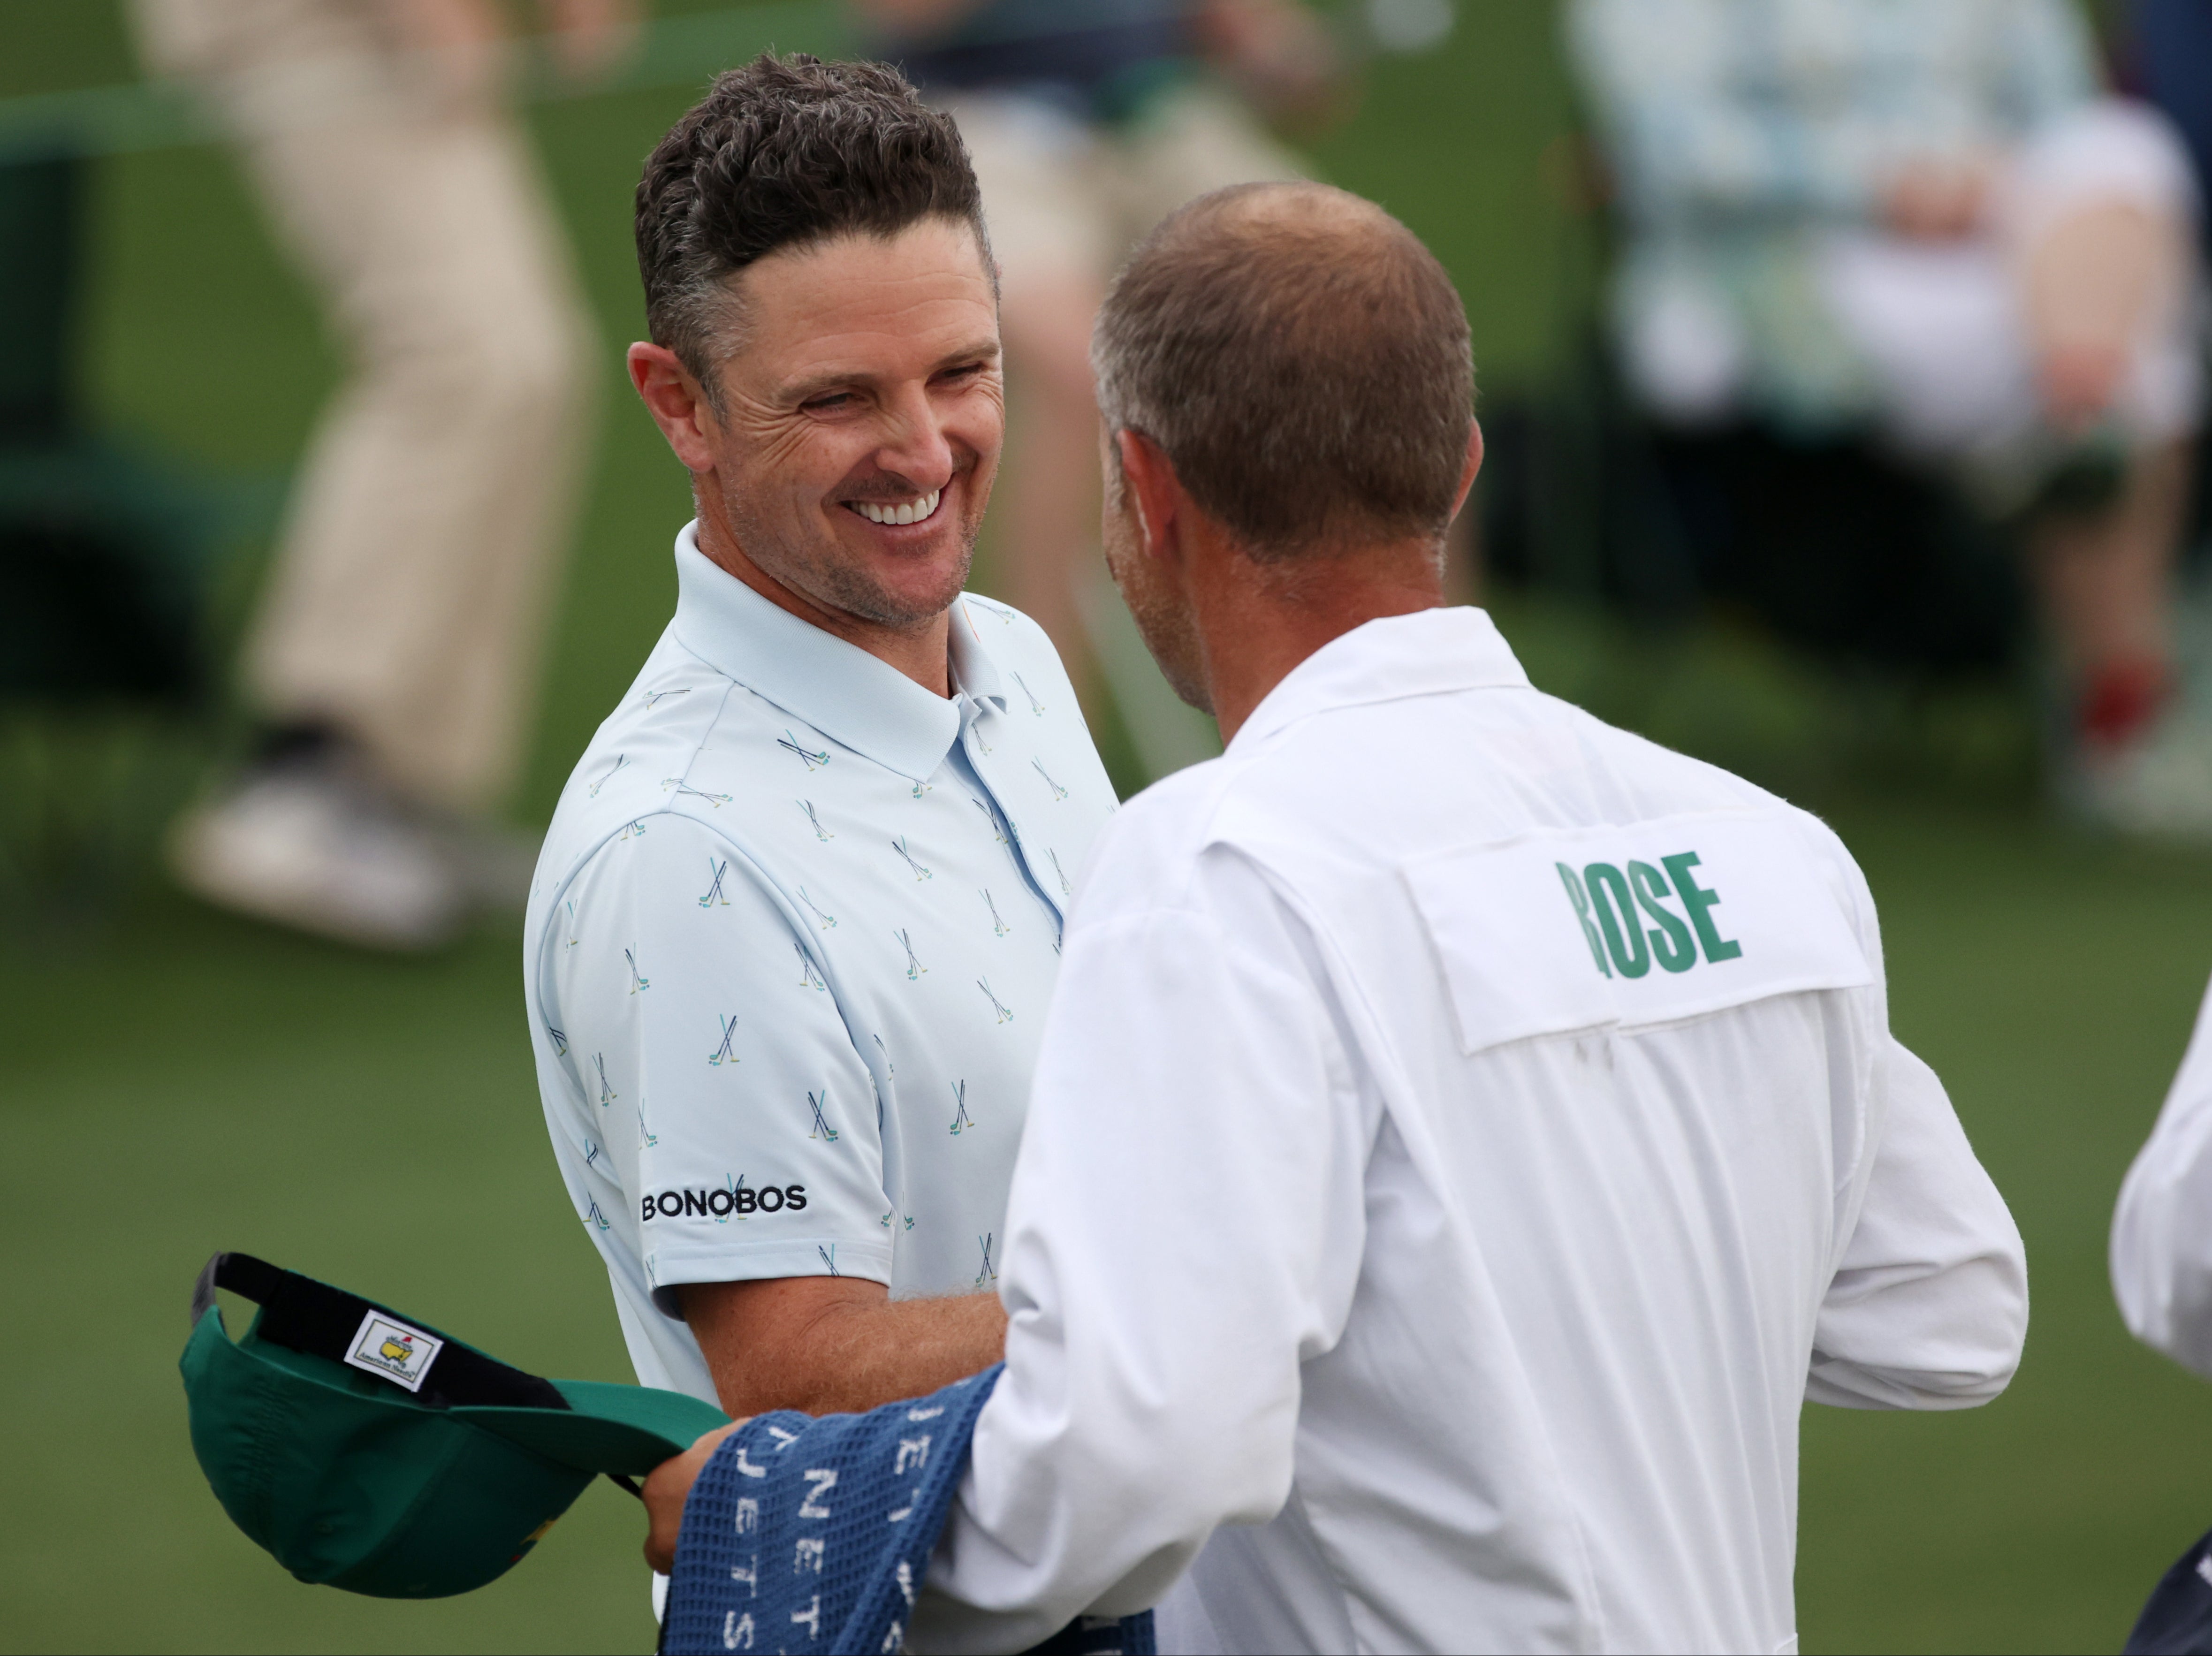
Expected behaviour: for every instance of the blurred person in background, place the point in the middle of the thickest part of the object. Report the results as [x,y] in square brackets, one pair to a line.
[390,666]
[1089,122]
[1919,217]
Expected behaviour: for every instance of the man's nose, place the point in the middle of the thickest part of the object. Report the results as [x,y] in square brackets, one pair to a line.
[916,444]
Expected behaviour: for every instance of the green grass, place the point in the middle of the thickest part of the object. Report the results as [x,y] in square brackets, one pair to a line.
[176,1082]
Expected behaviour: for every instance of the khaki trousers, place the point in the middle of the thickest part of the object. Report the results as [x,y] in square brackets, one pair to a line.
[414,581]
[1062,197]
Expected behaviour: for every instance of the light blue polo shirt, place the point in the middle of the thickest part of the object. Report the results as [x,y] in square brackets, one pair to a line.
[789,947]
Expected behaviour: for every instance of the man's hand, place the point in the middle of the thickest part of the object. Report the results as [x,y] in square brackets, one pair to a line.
[836,1344]
[1277,53]
[1938,200]
[667,1487]
[461,43]
[591,38]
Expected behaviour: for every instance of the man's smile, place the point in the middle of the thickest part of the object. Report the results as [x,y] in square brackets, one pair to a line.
[919,509]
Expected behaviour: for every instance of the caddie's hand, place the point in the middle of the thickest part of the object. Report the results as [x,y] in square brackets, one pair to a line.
[667,1487]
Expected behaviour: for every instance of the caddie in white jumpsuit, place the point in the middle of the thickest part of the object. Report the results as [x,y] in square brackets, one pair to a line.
[1465,1134]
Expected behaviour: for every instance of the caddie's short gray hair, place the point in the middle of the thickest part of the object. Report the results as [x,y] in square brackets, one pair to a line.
[1303,361]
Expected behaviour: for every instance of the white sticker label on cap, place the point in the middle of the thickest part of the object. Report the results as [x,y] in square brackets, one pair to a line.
[388,1347]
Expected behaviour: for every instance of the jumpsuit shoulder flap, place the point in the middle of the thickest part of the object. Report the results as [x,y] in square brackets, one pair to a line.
[1643,923]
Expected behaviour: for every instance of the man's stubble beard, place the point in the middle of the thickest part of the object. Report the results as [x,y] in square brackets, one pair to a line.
[817,569]
[1169,628]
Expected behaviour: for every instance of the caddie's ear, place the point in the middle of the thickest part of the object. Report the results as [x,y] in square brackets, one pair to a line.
[1474,464]
[676,402]
[1156,492]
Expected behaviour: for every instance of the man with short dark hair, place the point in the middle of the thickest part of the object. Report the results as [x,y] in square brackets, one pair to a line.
[1465,1133]
[800,908]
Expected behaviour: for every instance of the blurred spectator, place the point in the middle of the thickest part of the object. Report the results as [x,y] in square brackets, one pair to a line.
[1918,216]
[1089,121]
[392,661]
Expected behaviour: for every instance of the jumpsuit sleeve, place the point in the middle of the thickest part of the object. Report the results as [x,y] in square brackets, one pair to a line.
[1928,1308]
[1186,1228]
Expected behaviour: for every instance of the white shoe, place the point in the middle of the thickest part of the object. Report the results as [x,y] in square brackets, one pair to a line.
[495,864]
[306,847]
[2157,787]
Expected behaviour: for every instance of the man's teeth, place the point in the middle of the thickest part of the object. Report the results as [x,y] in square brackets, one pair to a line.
[912,512]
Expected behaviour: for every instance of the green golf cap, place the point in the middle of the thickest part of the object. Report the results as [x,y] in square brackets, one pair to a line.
[369,1450]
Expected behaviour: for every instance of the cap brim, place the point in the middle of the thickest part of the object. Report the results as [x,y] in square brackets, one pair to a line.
[624,1429]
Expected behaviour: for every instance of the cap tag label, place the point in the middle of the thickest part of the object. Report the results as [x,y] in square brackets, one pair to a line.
[390,1349]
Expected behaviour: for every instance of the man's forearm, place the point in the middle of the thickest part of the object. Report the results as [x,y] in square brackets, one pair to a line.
[831,1345]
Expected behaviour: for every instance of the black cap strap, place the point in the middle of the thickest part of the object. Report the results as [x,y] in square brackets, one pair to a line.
[305,1315]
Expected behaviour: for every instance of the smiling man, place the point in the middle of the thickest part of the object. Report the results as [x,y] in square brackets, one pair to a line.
[799,912]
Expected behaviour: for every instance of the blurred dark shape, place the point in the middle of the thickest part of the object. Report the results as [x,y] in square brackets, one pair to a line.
[2173,61]
[37,248]
[1829,544]
[2172,55]
[1098,58]
[104,552]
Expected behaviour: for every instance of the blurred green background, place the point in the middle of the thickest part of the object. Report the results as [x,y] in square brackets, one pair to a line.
[178,1082]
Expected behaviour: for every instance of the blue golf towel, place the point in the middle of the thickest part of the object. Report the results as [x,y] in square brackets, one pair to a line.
[2178,1620]
[804,1535]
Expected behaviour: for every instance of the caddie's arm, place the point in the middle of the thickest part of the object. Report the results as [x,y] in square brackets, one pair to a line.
[1185,1229]
[2162,1228]
[1928,1308]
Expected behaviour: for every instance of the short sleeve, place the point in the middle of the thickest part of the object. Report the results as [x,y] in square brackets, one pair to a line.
[735,1113]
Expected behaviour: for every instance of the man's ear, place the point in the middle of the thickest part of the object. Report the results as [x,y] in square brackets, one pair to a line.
[678,404]
[1152,484]
[1474,464]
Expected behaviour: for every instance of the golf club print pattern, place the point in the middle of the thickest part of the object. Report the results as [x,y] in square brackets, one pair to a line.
[919,872]
[718,870]
[813,758]
[917,877]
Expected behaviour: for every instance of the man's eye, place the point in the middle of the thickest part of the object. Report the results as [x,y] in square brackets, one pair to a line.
[826,404]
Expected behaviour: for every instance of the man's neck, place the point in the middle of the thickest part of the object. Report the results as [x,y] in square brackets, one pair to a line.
[1257,631]
[919,652]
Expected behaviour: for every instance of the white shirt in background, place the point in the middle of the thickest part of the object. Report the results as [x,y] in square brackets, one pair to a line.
[2161,1257]
[1465,1135]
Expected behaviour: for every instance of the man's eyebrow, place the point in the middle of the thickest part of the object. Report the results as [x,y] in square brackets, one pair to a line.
[799,391]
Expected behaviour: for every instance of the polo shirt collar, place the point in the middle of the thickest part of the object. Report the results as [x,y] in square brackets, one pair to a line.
[839,688]
[973,669]
[1428,653]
